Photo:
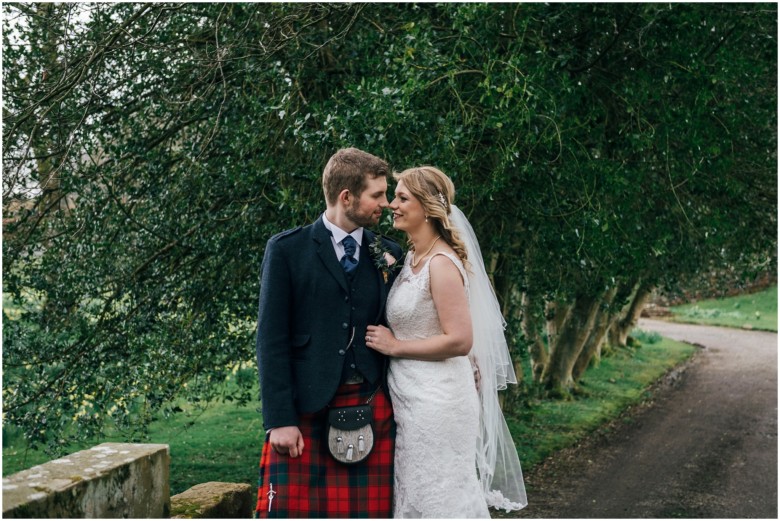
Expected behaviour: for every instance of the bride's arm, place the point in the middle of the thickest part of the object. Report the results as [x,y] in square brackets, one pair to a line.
[452,306]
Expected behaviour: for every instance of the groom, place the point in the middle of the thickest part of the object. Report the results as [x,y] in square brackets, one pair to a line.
[320,288]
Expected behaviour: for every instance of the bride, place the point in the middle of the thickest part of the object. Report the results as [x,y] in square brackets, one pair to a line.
[454,456]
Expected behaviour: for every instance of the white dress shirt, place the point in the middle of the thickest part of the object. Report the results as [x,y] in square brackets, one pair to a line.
[337,235]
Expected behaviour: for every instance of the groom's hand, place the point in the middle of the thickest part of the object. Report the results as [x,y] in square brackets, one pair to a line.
[287,441]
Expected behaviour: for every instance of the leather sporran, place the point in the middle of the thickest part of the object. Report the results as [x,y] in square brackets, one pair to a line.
[350,434]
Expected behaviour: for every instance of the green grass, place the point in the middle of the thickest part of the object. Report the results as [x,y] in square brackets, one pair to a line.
[544,426]
[757,310]
[223,443]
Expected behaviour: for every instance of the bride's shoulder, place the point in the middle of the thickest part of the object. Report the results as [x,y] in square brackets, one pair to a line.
[447,262]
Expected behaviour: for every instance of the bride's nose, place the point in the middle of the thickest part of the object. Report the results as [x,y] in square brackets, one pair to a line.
[394,204]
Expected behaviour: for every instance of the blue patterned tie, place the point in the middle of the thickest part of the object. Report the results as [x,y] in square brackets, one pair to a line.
[348,261]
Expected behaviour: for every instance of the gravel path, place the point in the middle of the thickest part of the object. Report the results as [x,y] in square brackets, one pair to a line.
[705,447]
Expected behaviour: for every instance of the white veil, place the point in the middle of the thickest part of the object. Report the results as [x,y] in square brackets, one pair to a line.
[499,467]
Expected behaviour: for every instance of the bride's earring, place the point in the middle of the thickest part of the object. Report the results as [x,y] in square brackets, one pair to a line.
[426,218]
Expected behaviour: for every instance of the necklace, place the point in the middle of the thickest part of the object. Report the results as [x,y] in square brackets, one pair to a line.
[415,262]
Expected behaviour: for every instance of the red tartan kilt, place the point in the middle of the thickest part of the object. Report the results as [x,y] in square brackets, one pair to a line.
[315,484]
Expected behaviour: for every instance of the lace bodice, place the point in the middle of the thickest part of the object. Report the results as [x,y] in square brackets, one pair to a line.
[410,308]
[436,410]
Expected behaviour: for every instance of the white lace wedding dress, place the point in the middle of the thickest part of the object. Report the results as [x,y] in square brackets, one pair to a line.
[436,409]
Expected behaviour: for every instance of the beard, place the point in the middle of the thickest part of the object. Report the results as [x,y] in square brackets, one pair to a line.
[365,220]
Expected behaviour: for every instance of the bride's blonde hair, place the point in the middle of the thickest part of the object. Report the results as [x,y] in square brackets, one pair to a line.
[436,192]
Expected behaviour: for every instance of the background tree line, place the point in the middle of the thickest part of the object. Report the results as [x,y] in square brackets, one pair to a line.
[150,150]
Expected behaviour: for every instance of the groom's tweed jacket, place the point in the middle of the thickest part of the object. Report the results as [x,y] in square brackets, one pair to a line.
[305,322]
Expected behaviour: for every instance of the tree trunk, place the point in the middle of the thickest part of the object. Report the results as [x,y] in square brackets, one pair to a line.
[46,136]
[592,349]
[502,284]
[532,327]
[572,336]
[505,289]
[627,294]
[618,334]
[556,313]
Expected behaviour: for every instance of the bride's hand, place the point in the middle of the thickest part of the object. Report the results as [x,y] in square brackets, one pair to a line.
[381,339]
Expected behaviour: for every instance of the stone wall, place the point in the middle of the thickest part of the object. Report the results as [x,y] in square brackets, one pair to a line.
[213,500]
[112,480]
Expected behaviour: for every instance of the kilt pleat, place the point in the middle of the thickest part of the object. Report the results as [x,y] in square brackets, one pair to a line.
[315,485]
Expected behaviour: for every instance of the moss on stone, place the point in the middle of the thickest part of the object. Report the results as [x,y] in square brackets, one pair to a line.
[185,509]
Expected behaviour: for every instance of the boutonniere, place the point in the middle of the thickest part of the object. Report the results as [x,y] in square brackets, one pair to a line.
[383,259]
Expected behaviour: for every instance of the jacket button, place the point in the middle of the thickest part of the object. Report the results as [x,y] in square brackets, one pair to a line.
[344,325]
[346,299]
[341,351]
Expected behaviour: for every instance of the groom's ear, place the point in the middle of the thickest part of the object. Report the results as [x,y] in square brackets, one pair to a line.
[345,197]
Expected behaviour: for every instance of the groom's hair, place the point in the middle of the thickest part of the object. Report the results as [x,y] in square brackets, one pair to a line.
[348,169]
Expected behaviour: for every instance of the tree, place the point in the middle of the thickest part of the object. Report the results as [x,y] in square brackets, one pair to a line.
[176,145]
[593,148]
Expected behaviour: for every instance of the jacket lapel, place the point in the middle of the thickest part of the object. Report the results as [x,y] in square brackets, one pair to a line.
[321,236]
[368,239]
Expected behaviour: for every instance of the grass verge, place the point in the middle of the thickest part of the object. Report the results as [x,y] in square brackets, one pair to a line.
[753,311]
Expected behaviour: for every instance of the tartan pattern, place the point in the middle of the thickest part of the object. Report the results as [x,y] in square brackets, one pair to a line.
[315,484]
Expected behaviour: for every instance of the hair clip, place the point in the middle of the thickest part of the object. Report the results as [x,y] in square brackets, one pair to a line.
[442,200]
